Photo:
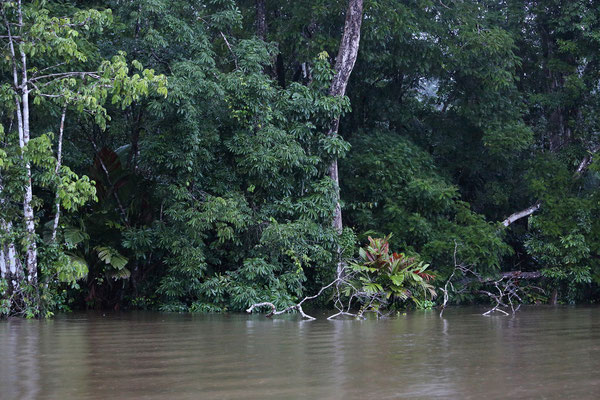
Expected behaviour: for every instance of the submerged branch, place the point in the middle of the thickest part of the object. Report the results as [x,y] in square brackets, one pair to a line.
[506,287]
[297,306]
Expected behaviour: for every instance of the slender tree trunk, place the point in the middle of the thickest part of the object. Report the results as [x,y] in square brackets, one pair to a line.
[31,247]
[3,268]
[344,65]
[261,19]
[8,254]
[586,162]
[11,256]
[57,172]
[22,105]
[22,111]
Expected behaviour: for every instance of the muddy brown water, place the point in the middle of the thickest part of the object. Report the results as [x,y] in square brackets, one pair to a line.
[541,353]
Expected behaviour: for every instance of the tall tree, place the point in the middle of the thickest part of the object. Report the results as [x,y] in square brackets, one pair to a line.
[50,60]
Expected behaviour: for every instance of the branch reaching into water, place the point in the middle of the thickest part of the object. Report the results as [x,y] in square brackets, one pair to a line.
[458,267]
[505,290]
[297,306]
[343,279]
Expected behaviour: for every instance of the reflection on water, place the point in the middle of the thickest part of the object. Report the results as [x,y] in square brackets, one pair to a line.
[549,353]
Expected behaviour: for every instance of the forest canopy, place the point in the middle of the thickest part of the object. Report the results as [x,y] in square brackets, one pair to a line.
[208,155]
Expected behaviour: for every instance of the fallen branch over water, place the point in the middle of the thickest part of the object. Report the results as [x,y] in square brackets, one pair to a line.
[343,307]
[297,306]
[505,275]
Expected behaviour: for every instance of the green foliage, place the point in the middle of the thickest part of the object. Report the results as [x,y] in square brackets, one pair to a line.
[196,157]
[61,68]
[397,188]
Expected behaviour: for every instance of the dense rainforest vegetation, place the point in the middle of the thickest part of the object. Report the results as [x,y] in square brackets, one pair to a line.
[179,155]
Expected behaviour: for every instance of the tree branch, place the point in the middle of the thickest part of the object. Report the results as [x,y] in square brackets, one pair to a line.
[587,160]
[59,75]
[581,168]
[522,214]
[297,306]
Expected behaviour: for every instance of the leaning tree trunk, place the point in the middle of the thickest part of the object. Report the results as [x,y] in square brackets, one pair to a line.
[344,65]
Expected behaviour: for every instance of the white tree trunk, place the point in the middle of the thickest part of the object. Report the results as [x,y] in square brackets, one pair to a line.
[31,247]
[8,253]
[57,172]
[3,269]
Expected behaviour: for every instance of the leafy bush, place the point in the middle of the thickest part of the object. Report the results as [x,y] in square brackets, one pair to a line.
[388,279]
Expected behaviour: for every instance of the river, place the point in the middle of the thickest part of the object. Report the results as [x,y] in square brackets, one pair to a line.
[541,353]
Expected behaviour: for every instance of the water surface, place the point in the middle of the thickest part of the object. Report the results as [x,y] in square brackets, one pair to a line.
[541,353]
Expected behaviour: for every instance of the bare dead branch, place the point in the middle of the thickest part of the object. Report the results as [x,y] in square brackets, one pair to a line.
[295,307]
[522,214]
[506,290]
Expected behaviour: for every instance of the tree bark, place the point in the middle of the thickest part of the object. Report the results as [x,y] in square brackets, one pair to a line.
[346,58]
[261,20]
